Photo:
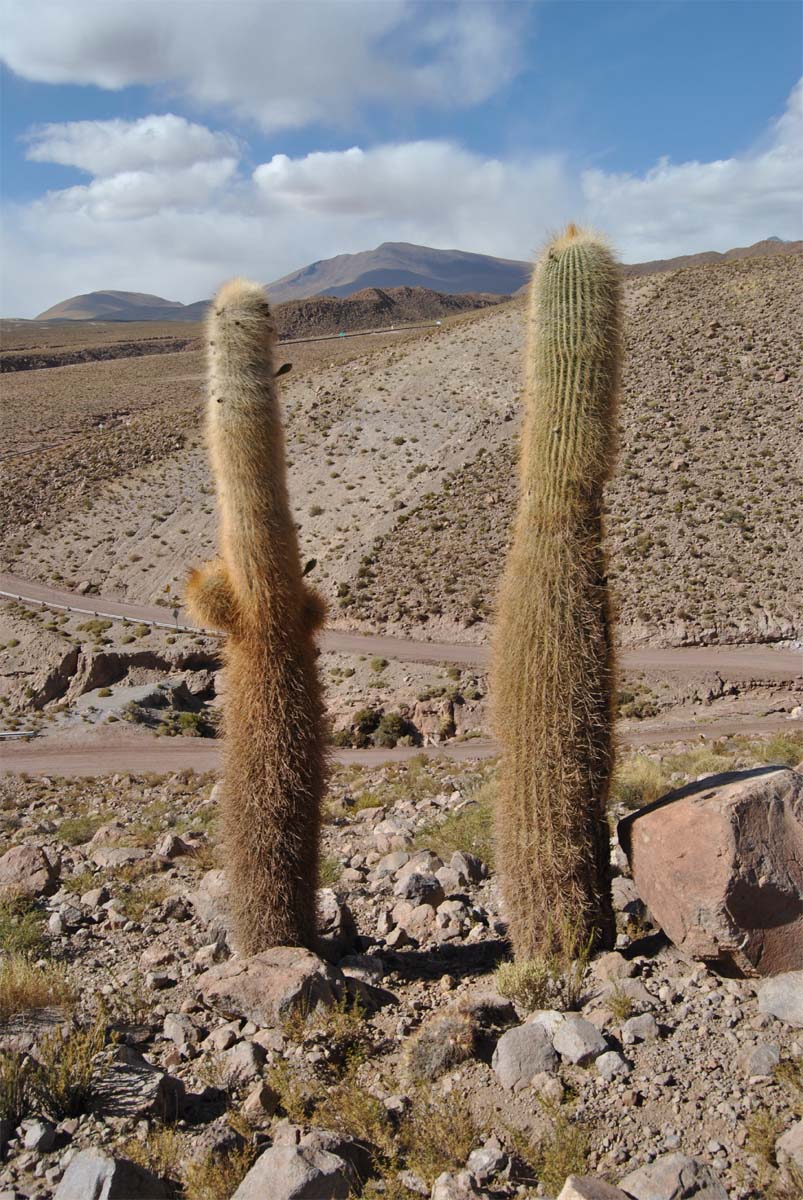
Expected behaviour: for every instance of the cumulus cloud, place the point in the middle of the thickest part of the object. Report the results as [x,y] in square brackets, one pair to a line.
[105,148]
[280,64]
[177,227]
[677,209]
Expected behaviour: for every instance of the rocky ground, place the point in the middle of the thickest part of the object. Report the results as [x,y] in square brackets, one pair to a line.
[410,1060]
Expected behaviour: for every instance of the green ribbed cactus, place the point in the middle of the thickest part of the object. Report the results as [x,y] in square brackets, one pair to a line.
[553,671]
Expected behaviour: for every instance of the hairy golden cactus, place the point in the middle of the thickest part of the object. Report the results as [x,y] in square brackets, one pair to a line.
[274,743]
[553,671]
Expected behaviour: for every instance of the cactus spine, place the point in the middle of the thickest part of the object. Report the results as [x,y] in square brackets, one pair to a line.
[274,748]
[553,670]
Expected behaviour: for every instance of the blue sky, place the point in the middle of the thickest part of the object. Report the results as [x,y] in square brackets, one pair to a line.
[158,145]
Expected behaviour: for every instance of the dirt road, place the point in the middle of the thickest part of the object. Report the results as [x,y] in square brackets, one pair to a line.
[751,662]
[142,753]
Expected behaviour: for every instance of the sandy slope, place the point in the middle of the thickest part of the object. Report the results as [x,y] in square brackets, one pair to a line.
[402,472]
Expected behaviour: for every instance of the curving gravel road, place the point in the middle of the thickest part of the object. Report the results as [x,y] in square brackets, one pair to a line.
[752,662]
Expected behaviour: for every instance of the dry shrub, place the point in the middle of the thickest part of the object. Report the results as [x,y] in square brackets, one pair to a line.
[67,1068]
[14,1086]
[26,986]
[437,1134]
[217,1176]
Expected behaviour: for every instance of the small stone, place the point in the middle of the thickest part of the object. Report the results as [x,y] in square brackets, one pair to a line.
[613,966]
[179,1029]
[612,1065]
[242,1063]
[419,889]
[577,1040]
[40,1136]
[760,1060]
[336,928]
[487,1162]
[260,1104]
[639,1029]
[780,376]
[586,1187]
[522,1053]
[172,846]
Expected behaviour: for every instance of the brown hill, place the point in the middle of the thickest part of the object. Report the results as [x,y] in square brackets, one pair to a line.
[757,250]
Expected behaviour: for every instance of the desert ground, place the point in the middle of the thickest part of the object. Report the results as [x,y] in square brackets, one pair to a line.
[401,453]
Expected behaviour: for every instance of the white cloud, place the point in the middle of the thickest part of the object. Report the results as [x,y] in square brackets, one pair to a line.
[281,63]
[105,148]
[179,227]
[679,209]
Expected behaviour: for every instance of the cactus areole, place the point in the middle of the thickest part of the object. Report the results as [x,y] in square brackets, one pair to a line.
[553,670]
[273,728]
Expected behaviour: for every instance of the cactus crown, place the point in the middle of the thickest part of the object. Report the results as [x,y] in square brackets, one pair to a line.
[573,369]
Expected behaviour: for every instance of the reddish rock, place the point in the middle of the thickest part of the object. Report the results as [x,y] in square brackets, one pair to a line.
[719,864]
[27,871]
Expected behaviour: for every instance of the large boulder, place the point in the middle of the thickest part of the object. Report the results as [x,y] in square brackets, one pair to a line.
[95,1176]
[27,871]
[720,866]
[267,987]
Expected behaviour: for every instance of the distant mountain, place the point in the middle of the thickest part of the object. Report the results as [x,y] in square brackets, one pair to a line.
[390,266]
[122,306]
[401,264]
[771,245]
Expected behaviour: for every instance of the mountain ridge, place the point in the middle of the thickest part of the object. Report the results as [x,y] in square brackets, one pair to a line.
[390,265]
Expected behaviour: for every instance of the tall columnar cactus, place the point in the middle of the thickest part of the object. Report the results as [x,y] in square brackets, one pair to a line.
[553,670]
[274,746]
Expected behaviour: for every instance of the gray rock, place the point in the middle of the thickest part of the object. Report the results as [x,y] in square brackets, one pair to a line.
[242,1063]
[367,967]
[40,1136]
[612,1065]
[210,901]
[266,987]
[487,1162]
[135,1088]
[610,967]
[336,928]
[639,1029]
[469,865]
[172,846]
[260,1104]
[586,1187]
[95,1176]
[761,1059]
[522,1053]
[391,863]
[782,997]
[297,1173]
[418,889]
[179,1029]
[674,1177]
[577,1040]
[27,871]
[118,856]
[455,1187]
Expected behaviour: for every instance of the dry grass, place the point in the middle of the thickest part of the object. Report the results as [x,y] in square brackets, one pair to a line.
[67,1068]
[14,1086]
[217,1176]
[437,1134]
[638,780]
[470,830]
[26,986]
